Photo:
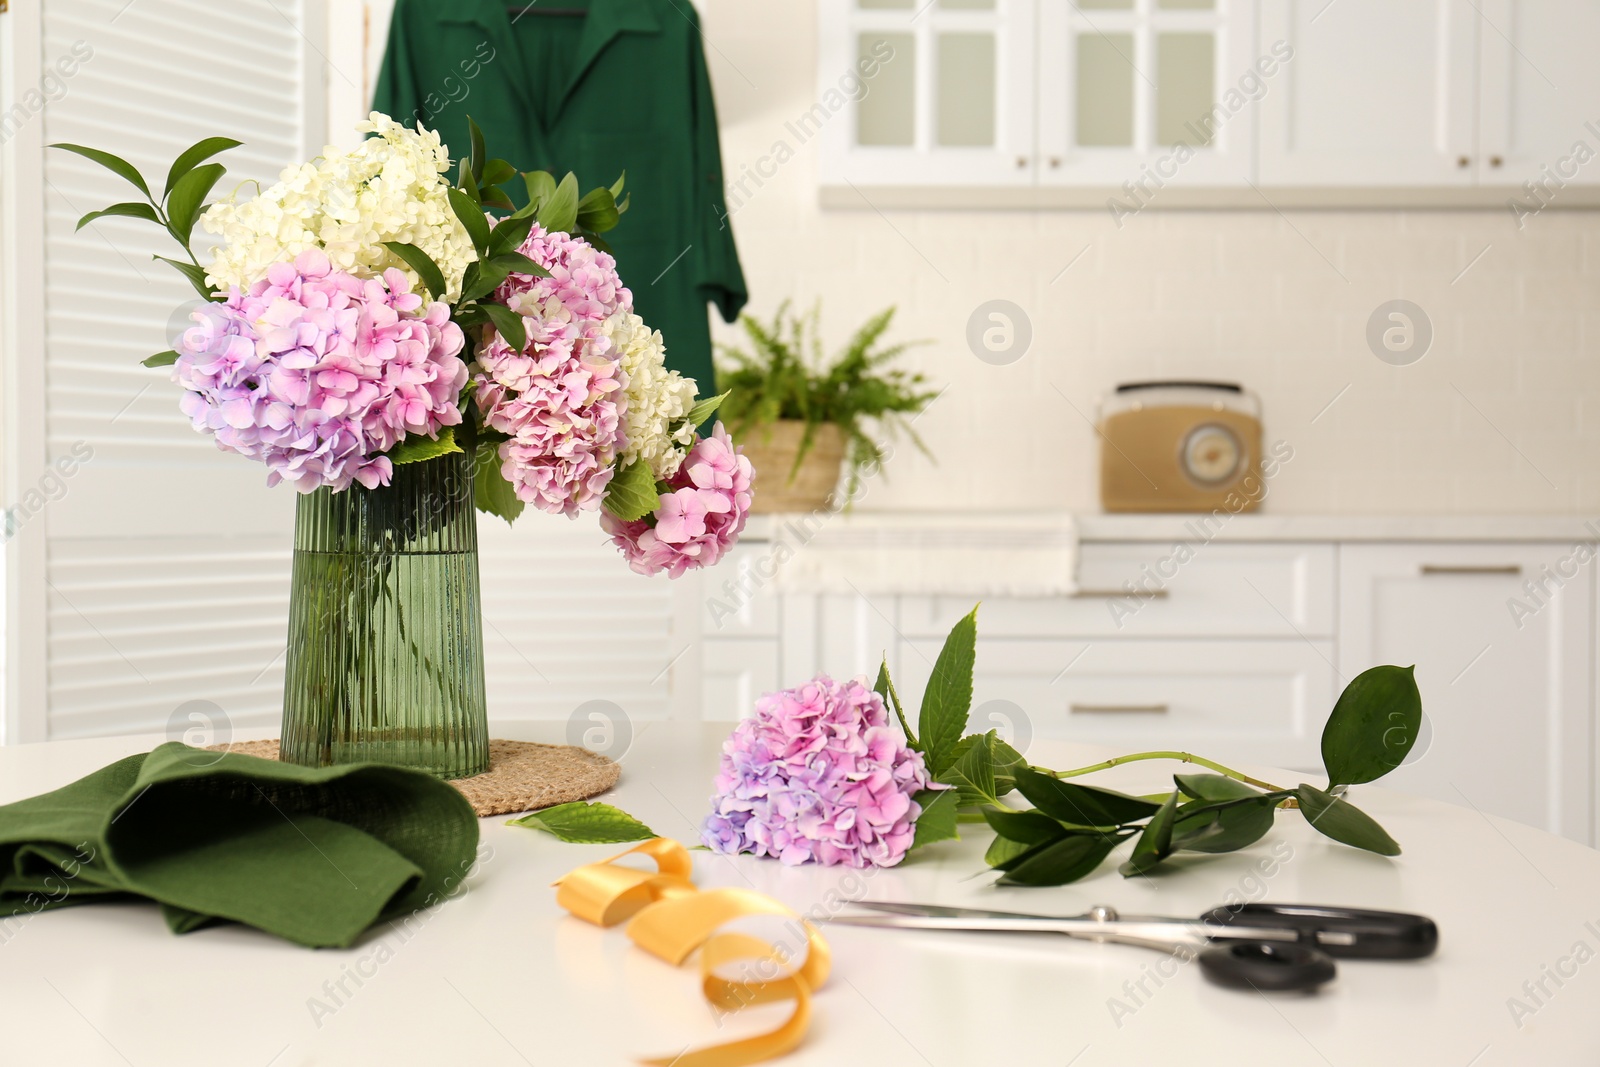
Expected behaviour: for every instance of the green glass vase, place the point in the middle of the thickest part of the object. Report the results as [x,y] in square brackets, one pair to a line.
[385,660]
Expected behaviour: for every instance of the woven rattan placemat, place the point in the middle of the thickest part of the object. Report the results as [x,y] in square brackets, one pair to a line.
[522,775]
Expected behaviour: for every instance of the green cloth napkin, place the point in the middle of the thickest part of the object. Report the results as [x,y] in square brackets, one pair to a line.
[312,854]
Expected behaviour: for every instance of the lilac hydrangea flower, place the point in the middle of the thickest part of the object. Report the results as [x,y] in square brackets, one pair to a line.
[700,515]
[315,372]
[818,774]
[561,397]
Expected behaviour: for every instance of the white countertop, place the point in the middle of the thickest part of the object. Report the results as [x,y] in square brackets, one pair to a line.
[1249,527]
[500,976]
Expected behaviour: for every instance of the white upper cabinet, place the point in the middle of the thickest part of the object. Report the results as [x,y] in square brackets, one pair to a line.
[1378,93]
[1148,92]
[935,91]
[1539,100]
[1067,102]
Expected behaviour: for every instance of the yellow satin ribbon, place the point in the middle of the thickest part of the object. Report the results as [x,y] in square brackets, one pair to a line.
[672,918]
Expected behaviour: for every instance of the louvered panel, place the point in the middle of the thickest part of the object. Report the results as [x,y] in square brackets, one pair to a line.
[566,622]
[141,626]
[168,562]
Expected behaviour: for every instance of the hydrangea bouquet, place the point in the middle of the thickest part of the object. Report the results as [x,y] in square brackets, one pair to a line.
[402,348]
[317,353]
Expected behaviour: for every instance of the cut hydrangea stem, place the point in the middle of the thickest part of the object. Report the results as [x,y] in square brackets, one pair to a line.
[1182,757]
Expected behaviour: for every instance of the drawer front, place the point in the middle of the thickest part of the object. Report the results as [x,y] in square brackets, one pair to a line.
[1183,590]
[734,672]
[736,599]
[1249,701]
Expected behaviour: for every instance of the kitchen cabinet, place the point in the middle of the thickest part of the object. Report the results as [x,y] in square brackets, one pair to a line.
[1358,105]
[1122,104]
[1235,649]
[1503,643]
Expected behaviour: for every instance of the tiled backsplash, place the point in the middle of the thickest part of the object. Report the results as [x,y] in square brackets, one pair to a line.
[1501,415]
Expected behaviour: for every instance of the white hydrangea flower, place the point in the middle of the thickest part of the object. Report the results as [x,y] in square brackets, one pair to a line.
[657,397]
[390,188]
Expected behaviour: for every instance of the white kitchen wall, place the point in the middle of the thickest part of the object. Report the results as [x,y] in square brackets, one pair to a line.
[1501,415]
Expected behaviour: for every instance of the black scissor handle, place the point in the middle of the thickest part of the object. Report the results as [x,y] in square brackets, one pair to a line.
[1267,965]
[1348,933]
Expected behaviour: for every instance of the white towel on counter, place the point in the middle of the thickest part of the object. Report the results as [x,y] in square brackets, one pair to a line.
[920,553]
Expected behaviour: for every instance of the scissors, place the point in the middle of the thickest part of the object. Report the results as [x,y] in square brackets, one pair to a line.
[1261,946]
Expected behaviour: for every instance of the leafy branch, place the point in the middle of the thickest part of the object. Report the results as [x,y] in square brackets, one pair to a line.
[1072,828]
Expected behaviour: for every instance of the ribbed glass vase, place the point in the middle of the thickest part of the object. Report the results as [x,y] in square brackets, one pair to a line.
[385,659]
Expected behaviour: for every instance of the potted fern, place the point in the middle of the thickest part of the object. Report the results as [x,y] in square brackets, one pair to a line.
[802,418]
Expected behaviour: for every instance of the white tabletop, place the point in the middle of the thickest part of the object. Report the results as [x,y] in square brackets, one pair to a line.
[501,976]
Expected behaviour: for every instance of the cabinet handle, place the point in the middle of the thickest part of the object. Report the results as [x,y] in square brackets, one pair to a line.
[1118,594]
[1055,162]
[1495,161]
[1463,161]
[1470,568]
[1022,162]
[1119,709]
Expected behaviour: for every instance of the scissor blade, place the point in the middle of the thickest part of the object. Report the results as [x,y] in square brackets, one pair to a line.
[994,922]
[940,911]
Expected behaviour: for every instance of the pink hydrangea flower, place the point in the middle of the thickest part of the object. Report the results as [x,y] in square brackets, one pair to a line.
[560,398]
[700,515]
[315,372]
[818,774]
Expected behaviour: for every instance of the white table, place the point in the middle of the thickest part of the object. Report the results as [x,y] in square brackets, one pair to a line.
[501,976]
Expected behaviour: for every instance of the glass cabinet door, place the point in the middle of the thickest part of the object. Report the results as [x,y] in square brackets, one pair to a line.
[929,92]
[1145,94]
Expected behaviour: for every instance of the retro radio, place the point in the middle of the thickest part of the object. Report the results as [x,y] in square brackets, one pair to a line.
[1179,446]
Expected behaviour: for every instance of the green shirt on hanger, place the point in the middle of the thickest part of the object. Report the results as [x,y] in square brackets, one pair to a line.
[620,88]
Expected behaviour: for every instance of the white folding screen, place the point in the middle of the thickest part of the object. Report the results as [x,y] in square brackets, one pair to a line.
[165,563]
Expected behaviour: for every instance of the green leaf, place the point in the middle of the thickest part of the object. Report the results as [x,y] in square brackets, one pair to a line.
[1028,827]
[1006,762]
[132,210]
[478,154]
[1213,787]
[1224,829]
[597,211]
[541,187]
[884,687]
[195,274]
[419,261]
[938,819]
[1373,725]
[948,698]
[704,409]
[467,182]
[488,276]
[472,219]
[1343,821]
[494,196]
[1155,844]
[973,772]
[496,171]
[193,156]
[516,262]
[490,491]
[559,212]
[115,164]
[508,324]
[1003,850]
[508,234]
[585,823]
[188,197]
[616,187]
[1082,805]
[160,359]
[632,493]
[417,447]
[1064,861]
